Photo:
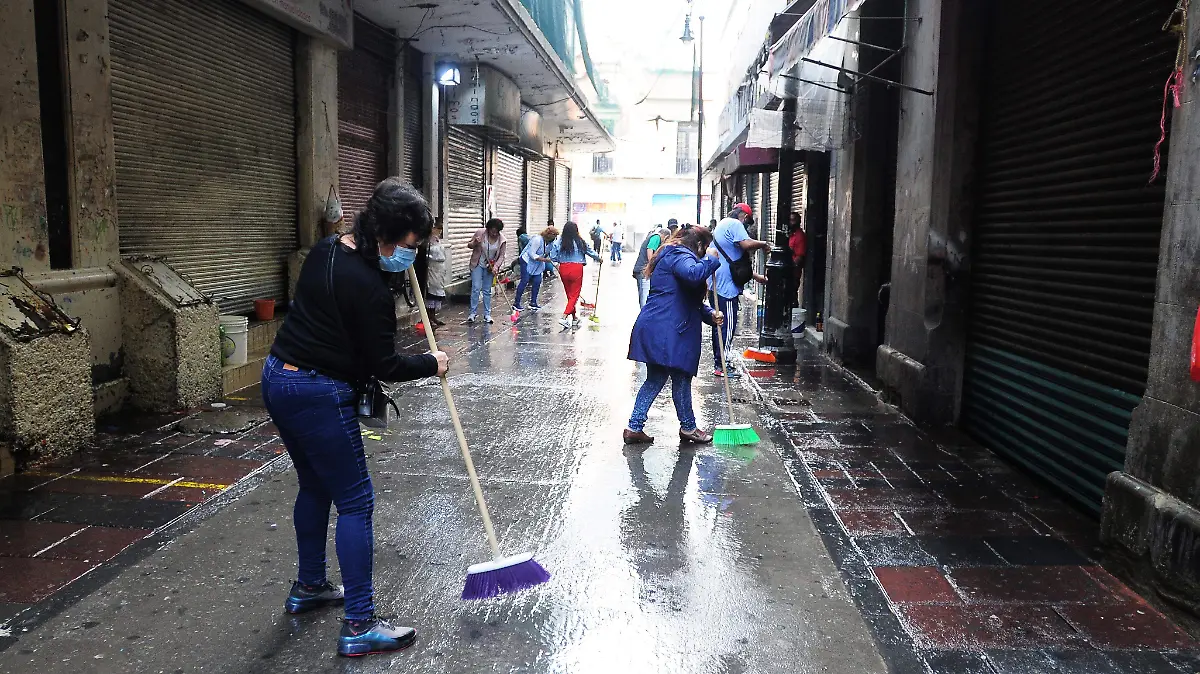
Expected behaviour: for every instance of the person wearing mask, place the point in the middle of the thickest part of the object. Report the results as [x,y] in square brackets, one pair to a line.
[731,242]
[653,241]
[439,264]
[616,240]
[667,333]
[339,334]
[570,251]
[487,257]
[534,257]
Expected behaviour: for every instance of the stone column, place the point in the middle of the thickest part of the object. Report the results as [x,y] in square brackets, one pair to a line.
[1151,521]
[921,364]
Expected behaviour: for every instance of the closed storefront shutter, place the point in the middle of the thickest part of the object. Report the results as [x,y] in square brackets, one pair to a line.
[203,97]
[754,197]
[414,138]
[364,83]
[1066,235]
[465,195]
[769,213]
[539,194]
[562,194]
[508,193]
[799,187]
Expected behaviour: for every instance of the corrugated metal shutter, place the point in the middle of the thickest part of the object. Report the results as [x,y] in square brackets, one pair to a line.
[364,84]
[465,195]
[508,193]
[203,97]
[562,194]
[414,138]
[754,196]
[1066,235]
[769,213]
[538,189]
[799,187]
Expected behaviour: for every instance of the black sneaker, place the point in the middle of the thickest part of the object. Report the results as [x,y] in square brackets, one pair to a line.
[303,599]
[365,637]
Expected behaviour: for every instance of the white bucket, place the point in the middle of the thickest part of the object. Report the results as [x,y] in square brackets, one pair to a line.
[235,331]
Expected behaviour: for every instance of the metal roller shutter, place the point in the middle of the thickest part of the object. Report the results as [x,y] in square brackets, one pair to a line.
[539,193]
[769,208]
[754,197]
[414,138]
[508,193]
[562,194]
[1066,235]
[799,188]
[364,83]
[465,195]
[203,97]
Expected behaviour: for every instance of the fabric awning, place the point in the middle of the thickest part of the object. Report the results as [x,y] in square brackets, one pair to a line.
[821,102]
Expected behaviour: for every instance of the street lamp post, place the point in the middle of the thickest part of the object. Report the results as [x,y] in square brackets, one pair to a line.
[698,107]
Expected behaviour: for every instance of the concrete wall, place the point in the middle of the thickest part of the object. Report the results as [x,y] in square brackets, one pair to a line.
[1151,521]
[46,395]
[921,363]
[316,143]
[24,239]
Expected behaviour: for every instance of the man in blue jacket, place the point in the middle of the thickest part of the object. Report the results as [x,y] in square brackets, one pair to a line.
[731,242]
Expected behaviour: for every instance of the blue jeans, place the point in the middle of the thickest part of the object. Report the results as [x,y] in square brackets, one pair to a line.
[533,280]
[615,255]
[729,307]
[318,423]
[481,284]
[681,393]
[643,290]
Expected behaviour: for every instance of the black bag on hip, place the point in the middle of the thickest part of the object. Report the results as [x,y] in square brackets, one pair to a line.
[740,269]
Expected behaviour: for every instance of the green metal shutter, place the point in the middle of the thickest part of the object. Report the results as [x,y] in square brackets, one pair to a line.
[204,132]
[465,195]
[364,84]
[1066,234]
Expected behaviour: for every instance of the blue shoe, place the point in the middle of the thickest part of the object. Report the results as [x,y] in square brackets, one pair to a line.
[373,636]
[303,600]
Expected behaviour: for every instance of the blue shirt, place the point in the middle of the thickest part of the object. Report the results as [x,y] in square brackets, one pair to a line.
[581,249]
[729,233]
[534,249]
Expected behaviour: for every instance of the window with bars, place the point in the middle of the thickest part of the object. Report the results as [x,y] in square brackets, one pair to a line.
[685,147]
[602,163]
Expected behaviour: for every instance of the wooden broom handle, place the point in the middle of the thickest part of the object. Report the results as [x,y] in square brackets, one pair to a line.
[458,430]
[721,343]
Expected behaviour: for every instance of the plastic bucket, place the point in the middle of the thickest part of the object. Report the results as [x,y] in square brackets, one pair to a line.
[235,331]
[264,310]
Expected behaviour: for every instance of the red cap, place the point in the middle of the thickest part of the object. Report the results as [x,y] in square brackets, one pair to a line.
[745,208]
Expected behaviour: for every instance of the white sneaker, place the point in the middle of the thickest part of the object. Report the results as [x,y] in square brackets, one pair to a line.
[565,322]
[472,318]
[488,320]
[578,322]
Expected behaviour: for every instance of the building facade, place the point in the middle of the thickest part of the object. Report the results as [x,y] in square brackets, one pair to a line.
[1010,254]
[167,162]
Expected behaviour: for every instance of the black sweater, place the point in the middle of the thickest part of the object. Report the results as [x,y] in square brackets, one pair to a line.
[362,344]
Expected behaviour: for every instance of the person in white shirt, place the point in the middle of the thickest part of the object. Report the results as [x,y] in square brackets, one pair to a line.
[617,240]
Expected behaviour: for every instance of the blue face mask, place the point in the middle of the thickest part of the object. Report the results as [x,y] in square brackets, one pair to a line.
[401,259]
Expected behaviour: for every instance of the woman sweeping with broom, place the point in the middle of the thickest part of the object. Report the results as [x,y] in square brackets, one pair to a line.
[667,334]
[340,335]
[571,253]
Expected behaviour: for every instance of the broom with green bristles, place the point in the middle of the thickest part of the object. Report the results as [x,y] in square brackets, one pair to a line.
[730,434]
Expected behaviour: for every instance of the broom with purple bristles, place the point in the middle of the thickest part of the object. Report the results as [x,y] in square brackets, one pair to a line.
[503,574]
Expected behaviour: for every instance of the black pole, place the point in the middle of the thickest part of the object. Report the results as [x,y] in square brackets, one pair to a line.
[700,132]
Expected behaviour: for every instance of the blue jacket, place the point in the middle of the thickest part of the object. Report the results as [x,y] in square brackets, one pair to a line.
[668,332]
[581,249]
[534,249]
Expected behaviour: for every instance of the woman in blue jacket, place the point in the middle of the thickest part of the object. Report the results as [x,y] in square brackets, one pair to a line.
[667,334]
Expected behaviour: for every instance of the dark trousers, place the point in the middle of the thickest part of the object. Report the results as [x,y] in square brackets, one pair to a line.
[318,423]
[729,307]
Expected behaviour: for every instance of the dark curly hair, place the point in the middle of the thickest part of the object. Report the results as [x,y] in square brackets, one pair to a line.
[394,210]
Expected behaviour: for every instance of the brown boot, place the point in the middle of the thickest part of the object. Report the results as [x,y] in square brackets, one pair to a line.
[636,438]
[695,437]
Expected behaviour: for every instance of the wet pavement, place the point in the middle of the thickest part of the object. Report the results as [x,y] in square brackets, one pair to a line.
[847,541]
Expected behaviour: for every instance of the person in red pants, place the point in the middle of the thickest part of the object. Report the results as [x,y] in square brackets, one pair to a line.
[570,251]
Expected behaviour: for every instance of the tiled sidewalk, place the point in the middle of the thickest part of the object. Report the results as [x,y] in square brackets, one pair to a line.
[960,563]
[64,520]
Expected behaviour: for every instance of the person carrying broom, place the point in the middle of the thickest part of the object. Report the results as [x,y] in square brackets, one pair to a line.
[667,334]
